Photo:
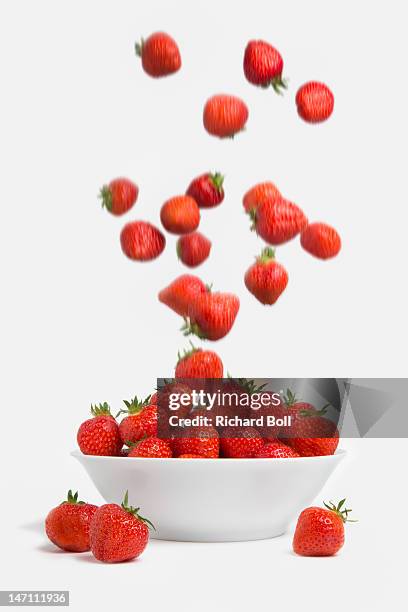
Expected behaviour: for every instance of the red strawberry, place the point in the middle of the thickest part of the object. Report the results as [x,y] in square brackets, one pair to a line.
[225,115]
[276,450]
[277,220]
[193,249]
[100,435]
[151,447]
[258,194]
[141,420]
[211,315]
[263,65]
[201,441]
[118,533]
[67,525]
[320,531]
[311,434]
[142,241]
[199,364]
[181,292]
[314,102]
[160,55]
[119,195]
[180,215]
[320,240]
[266,279]
[207,190]
[241,442]
[191,456]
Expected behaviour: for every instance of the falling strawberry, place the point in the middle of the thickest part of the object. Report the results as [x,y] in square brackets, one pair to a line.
[225,116]
[207,190]
[277,220]
[160,55]
[181,292]
[151,447]
[118,533]
[263,65]
[193,249]
[315,102]
[142,241]
[141,420]
[240,442]
[119,195]
[197,363]
[67,525]
[320,531]
[266,279]
[258,194]
[211,315]
[276,450]
[100,435]
[180,215]
[320,240]
[201,441]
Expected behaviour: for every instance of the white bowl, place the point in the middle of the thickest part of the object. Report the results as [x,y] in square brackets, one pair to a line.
[213,500]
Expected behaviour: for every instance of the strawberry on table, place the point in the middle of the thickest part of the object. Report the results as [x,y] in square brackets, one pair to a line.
[142,241]
[263,65]
[160,55]
[180,215]
[119,195]
[67,525]
[118,533]
[320,240]
[193,249]
[315,102]
[320,531]
[224,115]
[266,279]
[141,420]
[100,434]
[197,363]
[277,220]
[207,190]
[181,292]
[257,194]
[151,447]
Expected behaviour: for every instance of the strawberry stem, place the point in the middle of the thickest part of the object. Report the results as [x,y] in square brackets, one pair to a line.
[139,48]
[191,328]
[101,410]
[340,511]
[134,511]
[217,180]
[134,406]
[105,195]
[72,499]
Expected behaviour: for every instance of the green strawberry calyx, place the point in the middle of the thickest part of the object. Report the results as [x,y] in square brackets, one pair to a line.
[278,84]
[247,385]
[340,510]
[252,216]
[134,406]
[290,398]
[187,353]
[101,410]
[73,499]
[139,48]
[105,195]
[191,328]
[217,180]
[267,255]
[135,511]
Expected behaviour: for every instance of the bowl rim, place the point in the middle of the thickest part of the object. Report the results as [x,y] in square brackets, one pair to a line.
[339,453]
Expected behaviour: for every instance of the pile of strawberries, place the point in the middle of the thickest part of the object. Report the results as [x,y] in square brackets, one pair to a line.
[274,218]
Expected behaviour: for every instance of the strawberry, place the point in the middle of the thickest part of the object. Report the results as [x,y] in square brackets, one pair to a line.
[207,190]
[258,194]
[211,315]
[160,55]
[180,215]
[277,220]
[169,388]
[263,65]
[225,115]
[181,292]
[320,240]
[266,279]
[197,363]
[191,456]
[100,435]
[311,434]
[193,249]
[118,533]
[67,525]
[151,447]
[140,422]
[241,442]
[276,450]
[142,241]
[119,195]
[320,531]
[201,441]
[315,102]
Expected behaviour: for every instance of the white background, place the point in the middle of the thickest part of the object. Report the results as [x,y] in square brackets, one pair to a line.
[82,324]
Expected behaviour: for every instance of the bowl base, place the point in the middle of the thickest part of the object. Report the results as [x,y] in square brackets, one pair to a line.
[212,539]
